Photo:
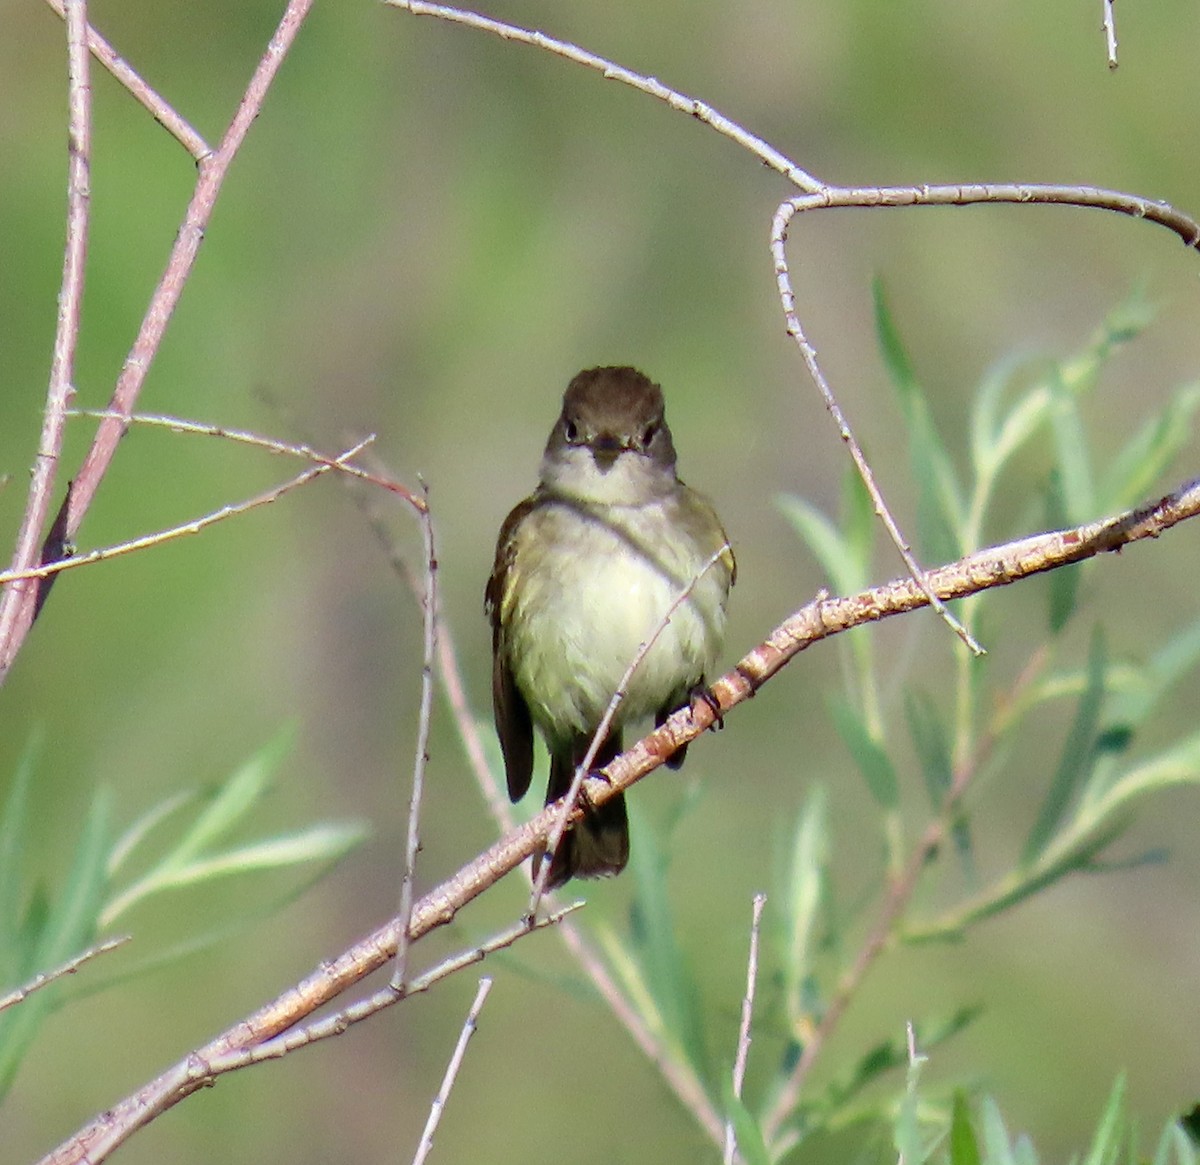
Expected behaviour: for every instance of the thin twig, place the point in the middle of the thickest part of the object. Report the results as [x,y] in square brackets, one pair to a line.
[303,1035]
[973,193]
[809,355]
[611,71]
[104,553]
[439,1102]
[743,1044]
[160,109]
[1110,33]
[271,444]
[18,601]
[45,978]
[568,802]
[429,602]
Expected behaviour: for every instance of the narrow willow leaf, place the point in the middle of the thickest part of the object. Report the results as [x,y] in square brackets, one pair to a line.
[233,801]
[1071,457]
[868,754]
[805,892]
[1112,1132]
[997,1147]
[751,1146]
[933,749]
[859,522]
[846,575]
[73,914]
[994,442]
[941,514]
[964,1148]
[1137,468]
[132,838]
[14,826]
[656,947]
[1077,758]
[319,844]
[931,744]
[61,927]
[1133,703]
[1176,766]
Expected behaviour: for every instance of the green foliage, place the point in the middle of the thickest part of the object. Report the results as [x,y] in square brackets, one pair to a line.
[956,738]
[41,929]
[984,1140]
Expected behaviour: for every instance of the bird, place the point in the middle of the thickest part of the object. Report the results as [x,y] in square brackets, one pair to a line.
[585,570]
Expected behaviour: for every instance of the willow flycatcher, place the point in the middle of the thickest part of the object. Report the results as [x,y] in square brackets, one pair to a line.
[586,568]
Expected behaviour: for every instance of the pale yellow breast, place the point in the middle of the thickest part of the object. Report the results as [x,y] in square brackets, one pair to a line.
[586,589]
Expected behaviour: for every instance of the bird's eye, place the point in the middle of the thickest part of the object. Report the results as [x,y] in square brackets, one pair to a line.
[648,435]
[572,431]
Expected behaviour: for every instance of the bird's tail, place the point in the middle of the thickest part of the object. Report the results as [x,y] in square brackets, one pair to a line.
[597,846]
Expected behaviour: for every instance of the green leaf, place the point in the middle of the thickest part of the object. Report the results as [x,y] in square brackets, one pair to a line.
[55,930]
[997,1148]
[1133,704]
[1077,758]
[868,753]
[1149,453]
[234,800]
[1071,456]
[317,844]
[964,1148]
[859,523]
[1111,1133]
[751,1146]
[1178,765]
[14,825]
[225,811]
[656,948]
[847,575]
[132,838]
[804,895]
[941,514]
[932,746]
[1175,1145]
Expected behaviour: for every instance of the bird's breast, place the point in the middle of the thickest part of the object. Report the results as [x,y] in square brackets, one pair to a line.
[586,588]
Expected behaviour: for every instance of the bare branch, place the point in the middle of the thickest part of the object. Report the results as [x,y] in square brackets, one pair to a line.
[45,978]
[333,1025]
[439,1101]
[809,355]
[743,1045]
[1110,33]
[270,444]
[972,193]
[193,527]
[158,106]
[611,71]
[19,601]
[429,602]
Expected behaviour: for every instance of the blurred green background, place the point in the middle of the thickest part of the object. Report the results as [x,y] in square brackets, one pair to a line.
[427,233]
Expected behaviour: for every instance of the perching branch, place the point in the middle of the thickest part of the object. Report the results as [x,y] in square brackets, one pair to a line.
[819,619]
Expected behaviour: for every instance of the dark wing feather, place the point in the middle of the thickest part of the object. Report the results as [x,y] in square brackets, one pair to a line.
[514,726]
